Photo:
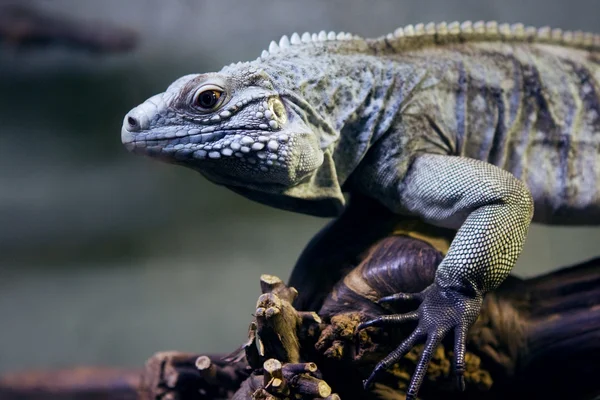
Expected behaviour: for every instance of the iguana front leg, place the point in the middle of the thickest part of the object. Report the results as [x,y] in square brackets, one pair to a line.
[491,210]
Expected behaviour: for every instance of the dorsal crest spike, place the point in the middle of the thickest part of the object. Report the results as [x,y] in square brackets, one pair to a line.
[504,29]
[454,27]
[479,27]
[518,30]
[273,48]
[491,26]
[430,28]
[284,42]
[466,27]
[441,28]
[544,32]
[295,38]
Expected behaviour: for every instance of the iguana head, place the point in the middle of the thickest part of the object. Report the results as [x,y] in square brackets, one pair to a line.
[267,129]
[234,127]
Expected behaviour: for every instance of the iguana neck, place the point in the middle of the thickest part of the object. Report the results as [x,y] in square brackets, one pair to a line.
[349,100]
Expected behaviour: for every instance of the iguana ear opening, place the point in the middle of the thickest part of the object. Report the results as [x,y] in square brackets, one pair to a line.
[278,110]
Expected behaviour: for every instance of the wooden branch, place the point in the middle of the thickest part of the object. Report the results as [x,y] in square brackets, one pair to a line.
[535,338]
[185,374]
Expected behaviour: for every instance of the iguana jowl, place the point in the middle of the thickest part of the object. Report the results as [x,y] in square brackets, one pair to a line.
[464,125]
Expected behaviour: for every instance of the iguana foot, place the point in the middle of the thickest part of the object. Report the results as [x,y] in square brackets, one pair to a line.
[441,310]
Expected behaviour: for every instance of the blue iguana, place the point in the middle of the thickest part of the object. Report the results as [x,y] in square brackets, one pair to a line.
[467,126]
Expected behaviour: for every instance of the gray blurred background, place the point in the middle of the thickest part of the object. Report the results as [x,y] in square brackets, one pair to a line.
[107,257]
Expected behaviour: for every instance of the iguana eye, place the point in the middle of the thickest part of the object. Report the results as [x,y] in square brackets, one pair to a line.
[208,98]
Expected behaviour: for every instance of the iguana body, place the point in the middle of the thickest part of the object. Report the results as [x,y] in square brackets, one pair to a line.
[429,121]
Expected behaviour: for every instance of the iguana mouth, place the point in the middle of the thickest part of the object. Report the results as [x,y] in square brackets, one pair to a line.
[193,143]
[178,137]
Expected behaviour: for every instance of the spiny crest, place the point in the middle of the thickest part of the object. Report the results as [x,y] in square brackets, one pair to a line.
[306,39]
[414,36]
[441,33]
[238,64]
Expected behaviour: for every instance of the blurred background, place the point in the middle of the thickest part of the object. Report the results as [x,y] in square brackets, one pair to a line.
[106,257]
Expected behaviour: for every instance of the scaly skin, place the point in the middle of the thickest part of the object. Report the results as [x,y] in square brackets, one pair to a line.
[465,126]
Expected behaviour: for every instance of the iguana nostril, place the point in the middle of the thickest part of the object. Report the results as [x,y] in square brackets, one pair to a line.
[132,123]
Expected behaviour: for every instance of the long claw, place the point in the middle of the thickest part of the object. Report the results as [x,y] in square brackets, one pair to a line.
[400,297]
[367,383]
[389,319]
[364,325]
[459,356]
[393,357]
